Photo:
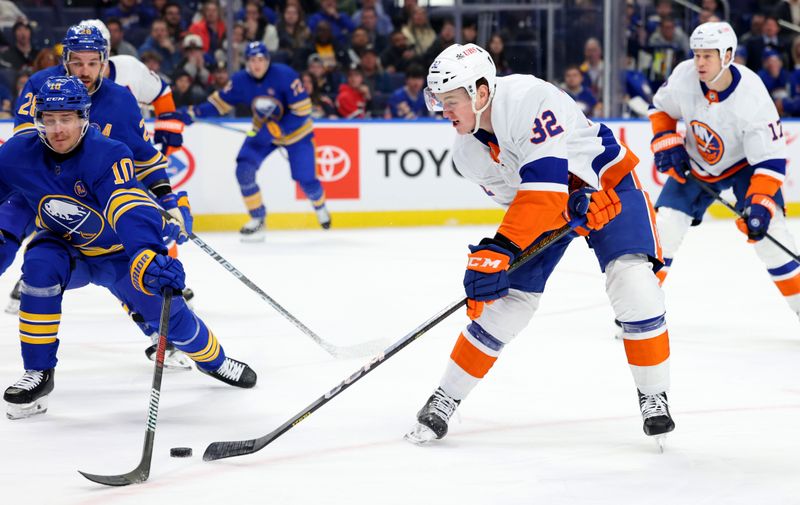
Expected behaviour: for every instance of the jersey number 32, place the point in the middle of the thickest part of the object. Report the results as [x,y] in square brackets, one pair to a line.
[545,126]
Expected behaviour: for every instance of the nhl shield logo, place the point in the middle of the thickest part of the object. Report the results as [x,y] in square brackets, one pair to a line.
[69,217]
[709,143]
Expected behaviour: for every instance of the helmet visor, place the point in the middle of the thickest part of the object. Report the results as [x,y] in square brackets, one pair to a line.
[433,103]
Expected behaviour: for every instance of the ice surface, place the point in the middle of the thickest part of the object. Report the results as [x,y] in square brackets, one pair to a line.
[555,422]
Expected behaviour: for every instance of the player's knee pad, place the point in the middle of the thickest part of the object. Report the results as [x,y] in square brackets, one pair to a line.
[507,316]
[48,264]
[246,174]
[771,255]
[633,288]
[672,227]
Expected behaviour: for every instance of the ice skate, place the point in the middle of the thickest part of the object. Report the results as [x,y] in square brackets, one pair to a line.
[234,373]
[28,396]
[432,418]
[657,419]
[323,216]
[253,230]
[174,359]
[13,300]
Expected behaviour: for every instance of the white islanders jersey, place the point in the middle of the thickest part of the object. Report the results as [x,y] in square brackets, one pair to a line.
[145,84]
[727,130]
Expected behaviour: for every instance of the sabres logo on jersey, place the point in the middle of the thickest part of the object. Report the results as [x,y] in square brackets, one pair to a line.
[709,143]
[267,108]
[78,223]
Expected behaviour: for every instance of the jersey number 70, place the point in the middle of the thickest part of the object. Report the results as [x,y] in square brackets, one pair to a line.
[545,126]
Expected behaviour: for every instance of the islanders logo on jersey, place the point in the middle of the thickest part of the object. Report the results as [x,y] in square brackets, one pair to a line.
[709,143]
[76,222]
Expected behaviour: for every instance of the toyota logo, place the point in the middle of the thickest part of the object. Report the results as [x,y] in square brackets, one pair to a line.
[333,163]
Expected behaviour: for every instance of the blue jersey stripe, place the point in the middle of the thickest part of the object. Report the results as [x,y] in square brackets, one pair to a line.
[611,149]
[548,169]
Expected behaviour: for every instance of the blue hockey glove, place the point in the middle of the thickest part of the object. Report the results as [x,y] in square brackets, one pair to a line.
[486,278]
[670,155]
[169,132]
[185,115]
[152,272]
[180,226]
[759,210]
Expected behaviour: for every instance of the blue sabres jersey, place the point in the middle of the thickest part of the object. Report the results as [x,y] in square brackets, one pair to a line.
[114,111]
[278,101]
[87,196]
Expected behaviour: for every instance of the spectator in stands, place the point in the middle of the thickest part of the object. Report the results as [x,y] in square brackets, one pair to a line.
[469,33]
[398,55]
[404,14]
[219,77]
[741,55]
[359,42]
[185,91]
[159,42]
[152,60]
[326,47]
[193,63]
[131,15]
[351,102]
[408,102]
[321,105]
[22,51]
[21,81]
[46,58]
[257,26]
[445,39]
[497,50]
[293,33]
[326,80]
[756,28]
[774,76]
[638,93]
[369,22]
[383,23]
[340,23]
[418,31]
[239,46]
[794,53]
[210,28]
[789,11]
[770,38]
[592,66]
[117,43]
[379,84]
[663,10]
[574,87]
[667,47]
[10,14]
[6,101]
[175,24]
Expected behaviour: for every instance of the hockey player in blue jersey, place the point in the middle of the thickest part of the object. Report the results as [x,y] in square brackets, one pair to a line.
[96,224]
[281,118]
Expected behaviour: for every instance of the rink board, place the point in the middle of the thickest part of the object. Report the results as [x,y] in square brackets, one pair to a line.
[375,173]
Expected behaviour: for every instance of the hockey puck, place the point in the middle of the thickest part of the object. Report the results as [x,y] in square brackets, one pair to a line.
[180,452]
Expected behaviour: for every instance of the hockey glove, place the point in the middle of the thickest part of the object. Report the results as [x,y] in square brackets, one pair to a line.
[759,211]
[179,227]
[486,278]
[185,115]
[152,272]
[670,155]
[589,210]
[169,132]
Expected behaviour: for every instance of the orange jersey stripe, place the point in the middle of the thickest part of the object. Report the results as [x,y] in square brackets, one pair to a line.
[164,103]
[715,178]
[789,287]
[531,214]
[763,184]
[648,352]
[470,358]
[623,167]
[662,122]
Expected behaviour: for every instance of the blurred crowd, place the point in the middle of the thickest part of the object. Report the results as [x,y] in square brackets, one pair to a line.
[368,58]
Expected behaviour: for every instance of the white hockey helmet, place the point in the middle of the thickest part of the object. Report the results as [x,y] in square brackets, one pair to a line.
[715,35]
[461,66]
[100,26]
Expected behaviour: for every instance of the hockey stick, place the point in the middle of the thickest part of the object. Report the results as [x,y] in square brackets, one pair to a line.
[354,351]
[219,450]
[142,471]
[708,189]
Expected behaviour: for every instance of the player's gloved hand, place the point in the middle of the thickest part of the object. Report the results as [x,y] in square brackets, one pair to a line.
[152,272]
[177,206]
[589,210]
[169,132]
[185,115]
[759,211]
[486,278]
[670,155]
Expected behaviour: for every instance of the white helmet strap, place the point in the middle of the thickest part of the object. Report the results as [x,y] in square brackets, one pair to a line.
[722,54]
[479,112]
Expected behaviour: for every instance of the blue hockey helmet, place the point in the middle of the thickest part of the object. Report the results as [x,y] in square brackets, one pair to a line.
[85,37]
[62,94]
[256,48]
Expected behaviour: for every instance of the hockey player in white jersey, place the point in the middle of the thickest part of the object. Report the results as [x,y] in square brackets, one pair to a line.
[734,139]
[528,145]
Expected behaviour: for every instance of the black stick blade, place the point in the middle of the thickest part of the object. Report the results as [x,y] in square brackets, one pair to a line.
[134,477]
[220,450]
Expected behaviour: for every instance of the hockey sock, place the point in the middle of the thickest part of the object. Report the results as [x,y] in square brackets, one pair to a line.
[473,356]
[787,279]
[647,350]
[314,192]
[39,318]
[192,336]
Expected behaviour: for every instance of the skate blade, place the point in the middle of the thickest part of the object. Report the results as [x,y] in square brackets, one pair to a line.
[661,442]
[254,238]
[178,362]
[16,411]
[420,435]
[12,307]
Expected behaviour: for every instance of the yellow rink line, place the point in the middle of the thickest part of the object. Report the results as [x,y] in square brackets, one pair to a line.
[377,219]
